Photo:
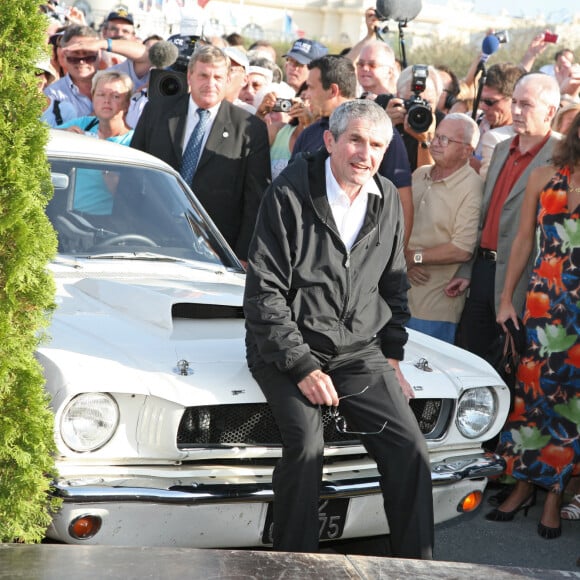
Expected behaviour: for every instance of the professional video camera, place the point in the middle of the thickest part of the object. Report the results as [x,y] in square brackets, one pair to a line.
[169,75]
[186,46]
[419,114]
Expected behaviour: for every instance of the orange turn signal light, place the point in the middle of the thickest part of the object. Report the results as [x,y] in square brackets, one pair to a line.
[470,502]
[85,527]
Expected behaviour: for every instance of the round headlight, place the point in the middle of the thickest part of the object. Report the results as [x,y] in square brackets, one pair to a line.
[89,421]
[476,411]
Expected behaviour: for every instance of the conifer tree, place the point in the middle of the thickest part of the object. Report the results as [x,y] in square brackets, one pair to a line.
[27,243]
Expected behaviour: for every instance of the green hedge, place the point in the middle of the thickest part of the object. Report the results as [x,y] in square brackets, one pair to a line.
[27,242]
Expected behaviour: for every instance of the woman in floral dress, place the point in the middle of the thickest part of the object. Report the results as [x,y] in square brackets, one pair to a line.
[540,441]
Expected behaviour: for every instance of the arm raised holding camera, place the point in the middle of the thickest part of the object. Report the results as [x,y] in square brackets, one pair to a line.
[372,22]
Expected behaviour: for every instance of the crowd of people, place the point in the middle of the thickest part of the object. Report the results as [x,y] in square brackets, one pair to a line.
[366,197]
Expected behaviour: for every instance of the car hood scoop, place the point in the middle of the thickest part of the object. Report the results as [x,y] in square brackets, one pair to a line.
[160,303]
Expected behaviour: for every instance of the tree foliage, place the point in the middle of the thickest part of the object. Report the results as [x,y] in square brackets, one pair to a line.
[27,242]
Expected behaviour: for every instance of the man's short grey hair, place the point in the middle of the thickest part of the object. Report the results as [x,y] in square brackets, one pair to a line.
[546,86]
[208,54]
[382,47]
[75,30]
[470,128]
[360,109]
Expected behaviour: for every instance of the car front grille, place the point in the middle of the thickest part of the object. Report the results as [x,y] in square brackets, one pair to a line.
[253,424]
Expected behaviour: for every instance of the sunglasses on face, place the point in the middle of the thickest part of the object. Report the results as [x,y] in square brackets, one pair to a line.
[88,59]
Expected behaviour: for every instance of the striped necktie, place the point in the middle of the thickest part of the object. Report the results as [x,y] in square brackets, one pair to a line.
[193,149]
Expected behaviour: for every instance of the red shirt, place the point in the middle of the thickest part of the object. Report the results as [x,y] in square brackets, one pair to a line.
[515,164]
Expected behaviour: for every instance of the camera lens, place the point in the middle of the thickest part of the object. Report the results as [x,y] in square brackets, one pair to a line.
[170,85]
[419,118]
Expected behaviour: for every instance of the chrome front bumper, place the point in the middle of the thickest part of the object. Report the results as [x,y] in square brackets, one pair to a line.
[448,472]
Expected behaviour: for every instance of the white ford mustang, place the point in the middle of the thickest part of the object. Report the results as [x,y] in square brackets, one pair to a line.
[163,437]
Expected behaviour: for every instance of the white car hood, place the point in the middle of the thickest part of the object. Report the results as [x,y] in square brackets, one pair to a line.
[114,331]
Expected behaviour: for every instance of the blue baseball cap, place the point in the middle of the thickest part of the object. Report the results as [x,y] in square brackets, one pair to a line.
[305,51]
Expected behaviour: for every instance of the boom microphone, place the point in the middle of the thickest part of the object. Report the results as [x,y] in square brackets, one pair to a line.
[489,45]
[163,54]
[398,9]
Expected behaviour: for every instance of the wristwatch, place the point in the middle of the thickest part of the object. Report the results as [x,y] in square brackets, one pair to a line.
[418,257]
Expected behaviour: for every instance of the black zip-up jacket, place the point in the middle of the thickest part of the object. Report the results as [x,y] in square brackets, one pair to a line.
[306,294]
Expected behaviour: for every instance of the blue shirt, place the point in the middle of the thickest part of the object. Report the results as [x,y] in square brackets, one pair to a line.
[92,193]
[65,90]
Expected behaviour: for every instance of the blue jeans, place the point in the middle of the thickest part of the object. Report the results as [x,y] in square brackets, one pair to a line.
[435,328]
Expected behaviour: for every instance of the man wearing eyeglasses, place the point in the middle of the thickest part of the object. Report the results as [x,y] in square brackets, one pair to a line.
[447,202]
[326,307]
[302,52]
[376,70]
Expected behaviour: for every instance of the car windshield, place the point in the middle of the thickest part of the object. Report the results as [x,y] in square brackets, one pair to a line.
[129,211]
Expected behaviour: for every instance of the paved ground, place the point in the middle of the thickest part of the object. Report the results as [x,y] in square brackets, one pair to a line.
[472,539]
[515,543]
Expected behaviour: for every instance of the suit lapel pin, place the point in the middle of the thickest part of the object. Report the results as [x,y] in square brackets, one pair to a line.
[225,134]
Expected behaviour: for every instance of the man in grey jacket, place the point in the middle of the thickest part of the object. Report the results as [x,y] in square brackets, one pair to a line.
[326,305]
[535,101]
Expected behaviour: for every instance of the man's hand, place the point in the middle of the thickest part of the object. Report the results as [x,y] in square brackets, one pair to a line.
[266,105]
[371,21]
[405,386]
[317,387]
[424,136]
[418,275]
[396,110]
[456,287]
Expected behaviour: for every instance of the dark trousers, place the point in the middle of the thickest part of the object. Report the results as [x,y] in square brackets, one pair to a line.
[478,331]
[399,450]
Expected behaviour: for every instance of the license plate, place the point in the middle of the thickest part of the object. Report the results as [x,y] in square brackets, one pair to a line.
[331,515]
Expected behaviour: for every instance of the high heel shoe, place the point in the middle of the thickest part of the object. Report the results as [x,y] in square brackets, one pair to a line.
[549,533]
[497,515]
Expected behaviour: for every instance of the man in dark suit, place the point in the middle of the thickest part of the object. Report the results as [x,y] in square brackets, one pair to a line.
[233,168]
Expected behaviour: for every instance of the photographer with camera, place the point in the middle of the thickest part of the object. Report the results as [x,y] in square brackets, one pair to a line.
[414,111]
[286,116]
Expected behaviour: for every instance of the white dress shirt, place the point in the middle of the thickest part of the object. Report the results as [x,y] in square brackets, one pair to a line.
[349,217]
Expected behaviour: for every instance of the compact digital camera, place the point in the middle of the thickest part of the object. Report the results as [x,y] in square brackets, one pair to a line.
[282,106]
[419,114]
[502,36]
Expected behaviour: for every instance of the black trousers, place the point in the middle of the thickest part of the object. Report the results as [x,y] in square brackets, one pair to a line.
[399,450]
[478,331]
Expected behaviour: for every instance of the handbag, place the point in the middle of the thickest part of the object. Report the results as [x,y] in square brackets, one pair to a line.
[510,346]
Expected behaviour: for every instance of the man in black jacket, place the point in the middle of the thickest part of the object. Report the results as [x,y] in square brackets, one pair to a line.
[326,305]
